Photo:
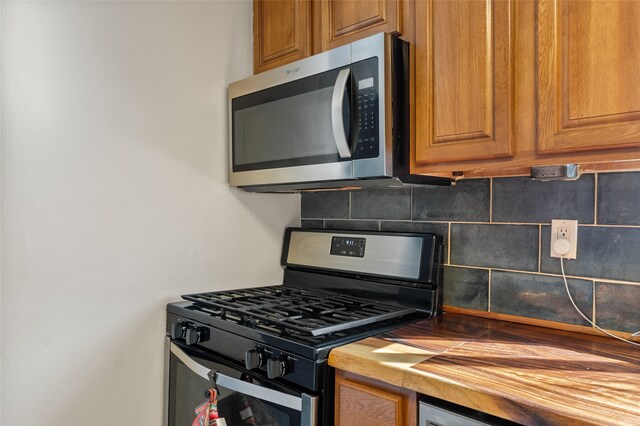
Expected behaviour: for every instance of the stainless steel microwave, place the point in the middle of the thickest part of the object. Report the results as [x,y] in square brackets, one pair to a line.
[334,120]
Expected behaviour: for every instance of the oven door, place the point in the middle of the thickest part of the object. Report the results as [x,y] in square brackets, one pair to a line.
[244,398]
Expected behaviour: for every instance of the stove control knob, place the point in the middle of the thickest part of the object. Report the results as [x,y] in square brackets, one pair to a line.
[254,358]
[196,335]
[277,367]
[177,330]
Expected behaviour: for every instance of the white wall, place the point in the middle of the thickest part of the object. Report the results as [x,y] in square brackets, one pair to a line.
[115,200]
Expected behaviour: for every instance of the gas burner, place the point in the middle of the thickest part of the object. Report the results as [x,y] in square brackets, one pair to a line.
[296,311]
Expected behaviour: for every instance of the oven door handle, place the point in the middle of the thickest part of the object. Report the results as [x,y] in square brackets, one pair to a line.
[337,122]
[246,388]
[306,404]
[192,365]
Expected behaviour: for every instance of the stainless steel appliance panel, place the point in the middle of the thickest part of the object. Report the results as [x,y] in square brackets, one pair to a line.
[376,46]
[311,133]
[385,255]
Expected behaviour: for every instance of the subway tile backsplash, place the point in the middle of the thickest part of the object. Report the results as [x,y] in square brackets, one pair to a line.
[467,288]
[522,199]
[496,234]
[619,199]
[540,296]
[468,201]
[495,246]
[381,204]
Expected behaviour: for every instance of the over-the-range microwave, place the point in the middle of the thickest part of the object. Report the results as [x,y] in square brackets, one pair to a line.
[338,119]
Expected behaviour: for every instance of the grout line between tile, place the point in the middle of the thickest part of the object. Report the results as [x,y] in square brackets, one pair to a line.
[585,225]
[612,281]
[449,244]
[591,225]
[490,200]
[595,198]
[539,247]
[411,203]
[489,292]
[547,274]
[593,313]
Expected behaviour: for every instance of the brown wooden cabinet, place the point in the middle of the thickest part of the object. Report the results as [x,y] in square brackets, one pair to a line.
[588,75]
[363,401]
[285,31]
[281,32]
[498,86]
[344,21]
[464,83]
[568,70]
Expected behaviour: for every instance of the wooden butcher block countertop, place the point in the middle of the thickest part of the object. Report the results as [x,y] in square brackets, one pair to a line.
[531,375]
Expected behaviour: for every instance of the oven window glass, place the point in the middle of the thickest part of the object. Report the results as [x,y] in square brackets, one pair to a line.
[287,125]
[187,391]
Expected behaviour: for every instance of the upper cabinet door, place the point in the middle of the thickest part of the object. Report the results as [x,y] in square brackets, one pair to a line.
[588,75]
[281,32]
[344,21]
[463,80]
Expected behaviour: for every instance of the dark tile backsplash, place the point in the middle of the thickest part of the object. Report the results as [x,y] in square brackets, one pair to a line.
[522,199]
[618,306]
[325,205]
[495,246]
[312,223]
[381,204]
[541,296]
[603,252]
[496,234]
[468,201]
[619,198]
[352,225]
[467,288]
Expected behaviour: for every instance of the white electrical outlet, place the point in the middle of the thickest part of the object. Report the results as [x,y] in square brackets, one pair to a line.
[564,229]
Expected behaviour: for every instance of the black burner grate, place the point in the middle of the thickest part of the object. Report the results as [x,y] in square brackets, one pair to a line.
[293,310]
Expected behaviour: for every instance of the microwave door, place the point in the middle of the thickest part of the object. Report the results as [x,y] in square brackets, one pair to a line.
[294,132]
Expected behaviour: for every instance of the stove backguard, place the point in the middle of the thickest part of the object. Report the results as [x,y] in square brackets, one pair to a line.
[403,257]
[405,268]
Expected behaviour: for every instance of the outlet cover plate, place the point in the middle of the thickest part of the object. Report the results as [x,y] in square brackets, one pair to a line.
[572,227]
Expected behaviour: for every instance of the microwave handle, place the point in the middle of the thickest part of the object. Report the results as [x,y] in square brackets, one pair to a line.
[336,113]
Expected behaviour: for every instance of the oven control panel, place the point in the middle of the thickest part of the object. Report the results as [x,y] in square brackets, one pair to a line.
[249,354]
[348,246]
[189,332]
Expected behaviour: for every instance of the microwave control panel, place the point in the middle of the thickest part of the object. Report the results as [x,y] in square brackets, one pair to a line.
[367,136]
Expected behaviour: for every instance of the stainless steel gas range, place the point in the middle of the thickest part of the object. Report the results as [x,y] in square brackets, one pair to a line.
[265,349]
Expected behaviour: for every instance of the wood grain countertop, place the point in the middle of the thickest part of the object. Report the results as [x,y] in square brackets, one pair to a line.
[527,374]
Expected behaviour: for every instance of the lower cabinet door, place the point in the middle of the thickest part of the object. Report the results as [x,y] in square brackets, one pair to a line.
[364,402]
